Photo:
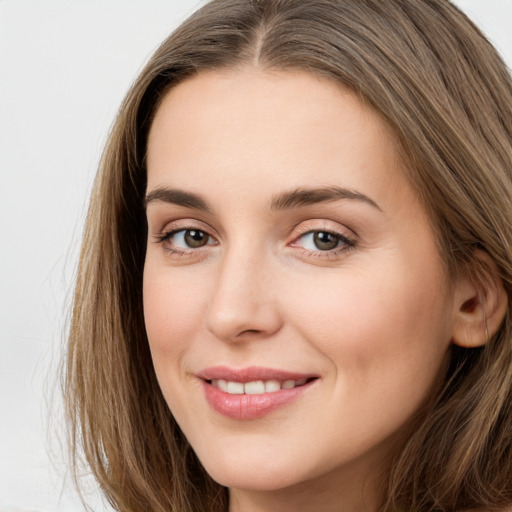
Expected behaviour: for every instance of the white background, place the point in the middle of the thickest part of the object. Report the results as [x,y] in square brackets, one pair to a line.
[64,69]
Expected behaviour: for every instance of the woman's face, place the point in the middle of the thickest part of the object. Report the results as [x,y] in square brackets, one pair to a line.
[296,306]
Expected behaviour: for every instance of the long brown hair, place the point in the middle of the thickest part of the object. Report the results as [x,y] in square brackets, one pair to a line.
[447,95]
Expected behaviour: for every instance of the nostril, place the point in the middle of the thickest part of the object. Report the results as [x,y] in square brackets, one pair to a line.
[234,318]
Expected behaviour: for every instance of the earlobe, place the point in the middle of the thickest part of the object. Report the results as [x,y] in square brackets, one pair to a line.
[481,303]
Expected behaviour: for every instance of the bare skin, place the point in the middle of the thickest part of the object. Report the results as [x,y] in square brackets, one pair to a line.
[349,288]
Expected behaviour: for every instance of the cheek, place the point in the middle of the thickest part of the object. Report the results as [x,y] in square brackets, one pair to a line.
[387,350]
[173,315]
[172,312]
[381,328]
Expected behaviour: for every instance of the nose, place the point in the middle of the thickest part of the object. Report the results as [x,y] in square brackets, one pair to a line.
[244,303]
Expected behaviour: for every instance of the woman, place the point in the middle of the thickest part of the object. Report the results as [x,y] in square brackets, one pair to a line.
[294,284]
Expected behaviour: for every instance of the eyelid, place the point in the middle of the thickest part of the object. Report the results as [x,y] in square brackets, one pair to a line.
[323,225]
[173,232]
[184,224]
[170,229]
[348,238]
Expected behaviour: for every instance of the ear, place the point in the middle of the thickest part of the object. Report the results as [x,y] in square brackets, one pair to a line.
[481,303]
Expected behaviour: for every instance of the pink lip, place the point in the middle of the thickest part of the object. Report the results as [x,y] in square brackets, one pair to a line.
[250,374]
[250,407]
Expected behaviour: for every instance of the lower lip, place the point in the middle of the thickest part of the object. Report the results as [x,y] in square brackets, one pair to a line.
[251,407]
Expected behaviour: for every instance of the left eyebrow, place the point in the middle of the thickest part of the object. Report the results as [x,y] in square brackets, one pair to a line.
[178,197]
[308,196]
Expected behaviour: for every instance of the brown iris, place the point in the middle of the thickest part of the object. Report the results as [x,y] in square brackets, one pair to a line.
[325,241]
[195,238]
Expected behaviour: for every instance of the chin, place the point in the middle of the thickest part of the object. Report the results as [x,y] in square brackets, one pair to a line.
[252,479]
[257,473]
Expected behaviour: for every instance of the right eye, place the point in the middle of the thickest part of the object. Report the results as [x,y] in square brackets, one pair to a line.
[190,238]
[186,239]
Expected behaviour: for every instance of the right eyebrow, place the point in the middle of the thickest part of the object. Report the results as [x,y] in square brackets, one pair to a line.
[308,196]
[178,197]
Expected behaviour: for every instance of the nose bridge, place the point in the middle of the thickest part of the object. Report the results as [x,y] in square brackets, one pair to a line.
[242,304]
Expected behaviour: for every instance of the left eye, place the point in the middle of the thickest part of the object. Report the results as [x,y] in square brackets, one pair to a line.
[189,239]
[322,241]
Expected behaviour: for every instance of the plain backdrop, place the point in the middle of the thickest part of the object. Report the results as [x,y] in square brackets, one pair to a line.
[65,66]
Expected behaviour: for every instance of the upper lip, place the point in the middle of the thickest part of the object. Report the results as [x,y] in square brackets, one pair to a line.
[251,374]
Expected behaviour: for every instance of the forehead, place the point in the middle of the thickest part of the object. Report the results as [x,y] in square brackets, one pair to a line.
[282,129]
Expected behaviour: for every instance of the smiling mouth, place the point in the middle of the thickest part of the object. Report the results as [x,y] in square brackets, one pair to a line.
[257,387]
[252,393]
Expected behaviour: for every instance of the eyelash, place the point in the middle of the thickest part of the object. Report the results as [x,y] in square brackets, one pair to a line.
[168,235]
[344,243]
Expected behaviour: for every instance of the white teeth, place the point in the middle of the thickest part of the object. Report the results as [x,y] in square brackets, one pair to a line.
[288,384]
[272,385]
[254,388]
[257,387]
[235,388]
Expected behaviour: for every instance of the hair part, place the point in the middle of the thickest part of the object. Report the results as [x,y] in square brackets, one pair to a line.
[446,94]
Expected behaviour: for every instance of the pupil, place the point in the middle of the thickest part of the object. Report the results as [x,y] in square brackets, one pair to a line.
[195,238]
[325,241]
